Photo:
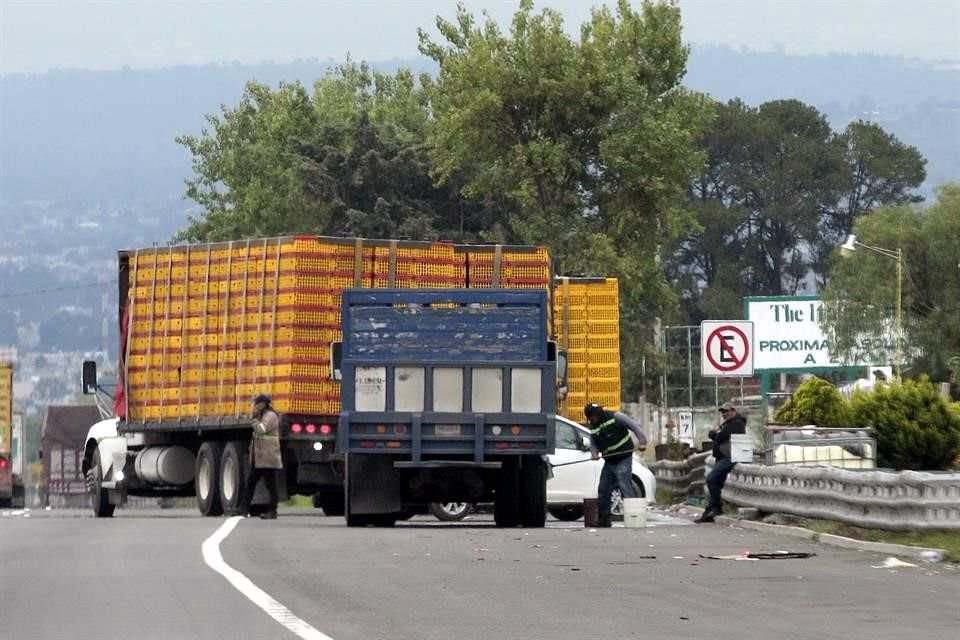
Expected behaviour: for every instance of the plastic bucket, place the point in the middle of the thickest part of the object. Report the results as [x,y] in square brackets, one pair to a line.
[741,447]
[591,512]
[634,513]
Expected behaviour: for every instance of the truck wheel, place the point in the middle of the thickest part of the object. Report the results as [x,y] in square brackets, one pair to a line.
[101,499]
[506,499]
[533,492]
[207,478]
[234,471]
[331,503]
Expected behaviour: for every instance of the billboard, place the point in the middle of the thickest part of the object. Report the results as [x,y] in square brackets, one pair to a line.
[787,336]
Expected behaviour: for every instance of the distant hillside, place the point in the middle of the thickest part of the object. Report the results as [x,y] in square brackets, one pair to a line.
[88,136]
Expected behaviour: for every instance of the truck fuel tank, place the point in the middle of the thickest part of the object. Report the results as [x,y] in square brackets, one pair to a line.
[165,465]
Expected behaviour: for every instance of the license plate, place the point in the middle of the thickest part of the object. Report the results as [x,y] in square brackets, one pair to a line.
[448,429]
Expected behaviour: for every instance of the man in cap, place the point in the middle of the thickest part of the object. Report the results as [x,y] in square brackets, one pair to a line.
[614,436]
[265,454]
[732,423]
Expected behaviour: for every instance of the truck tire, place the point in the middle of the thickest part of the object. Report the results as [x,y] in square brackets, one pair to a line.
[101,498]
[207,478]
[506,499]
[331,503]
[234,471]
[533,492]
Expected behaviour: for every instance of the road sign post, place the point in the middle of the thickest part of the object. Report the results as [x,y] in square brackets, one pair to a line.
[726,348]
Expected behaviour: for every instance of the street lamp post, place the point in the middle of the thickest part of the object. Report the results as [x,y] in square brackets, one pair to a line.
[848,248]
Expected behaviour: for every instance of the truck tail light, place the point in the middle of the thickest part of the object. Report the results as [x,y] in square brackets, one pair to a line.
[296,427]
[325,429]
[311,428]
[3,463]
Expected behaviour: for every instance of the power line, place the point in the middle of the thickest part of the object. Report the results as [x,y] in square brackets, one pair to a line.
[36,292]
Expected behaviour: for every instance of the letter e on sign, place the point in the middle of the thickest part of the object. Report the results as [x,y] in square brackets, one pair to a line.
[726,348]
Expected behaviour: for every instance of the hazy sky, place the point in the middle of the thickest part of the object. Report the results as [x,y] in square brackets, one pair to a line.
[39,35]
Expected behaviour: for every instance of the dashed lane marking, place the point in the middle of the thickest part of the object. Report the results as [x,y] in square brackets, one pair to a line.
[256,595]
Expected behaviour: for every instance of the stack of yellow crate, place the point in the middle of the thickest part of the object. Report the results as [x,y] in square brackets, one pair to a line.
[212,325]
[586,323]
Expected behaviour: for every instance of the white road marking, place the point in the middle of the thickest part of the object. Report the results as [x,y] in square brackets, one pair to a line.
[256,595]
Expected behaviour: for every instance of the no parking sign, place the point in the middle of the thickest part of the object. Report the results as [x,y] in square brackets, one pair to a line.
[726,348]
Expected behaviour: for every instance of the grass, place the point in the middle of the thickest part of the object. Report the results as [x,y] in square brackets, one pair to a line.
[948,539]
[298,500]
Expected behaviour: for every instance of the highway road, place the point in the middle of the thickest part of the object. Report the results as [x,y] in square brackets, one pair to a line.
[147,574]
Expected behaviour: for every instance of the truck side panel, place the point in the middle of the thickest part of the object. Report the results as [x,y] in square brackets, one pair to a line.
[586,323]
[210,325]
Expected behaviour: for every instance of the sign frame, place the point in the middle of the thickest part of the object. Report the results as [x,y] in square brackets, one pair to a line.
[737,332]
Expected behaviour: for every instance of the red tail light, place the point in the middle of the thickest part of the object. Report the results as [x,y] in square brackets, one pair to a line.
[3,463]
[325,429]
[296,427]
[311,428]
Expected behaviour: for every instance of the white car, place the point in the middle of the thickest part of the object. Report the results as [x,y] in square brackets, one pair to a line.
[575,477]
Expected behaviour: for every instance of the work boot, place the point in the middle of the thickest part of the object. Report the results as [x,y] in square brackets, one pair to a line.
[707,516]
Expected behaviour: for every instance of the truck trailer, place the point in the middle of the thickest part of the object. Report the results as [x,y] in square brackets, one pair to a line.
[205,327]
[11,448]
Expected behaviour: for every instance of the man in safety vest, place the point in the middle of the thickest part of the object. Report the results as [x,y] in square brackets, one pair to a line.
[265,454]
[613,436]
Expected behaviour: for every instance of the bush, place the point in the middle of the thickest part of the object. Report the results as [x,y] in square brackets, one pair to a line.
[914,426]
[818,402]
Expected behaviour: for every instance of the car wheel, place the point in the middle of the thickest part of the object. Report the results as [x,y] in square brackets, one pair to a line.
[567,513]
[616,499]
[450,511]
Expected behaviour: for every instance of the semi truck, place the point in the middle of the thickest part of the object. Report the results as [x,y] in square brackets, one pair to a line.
[11,443]
[448,395]
[205,327]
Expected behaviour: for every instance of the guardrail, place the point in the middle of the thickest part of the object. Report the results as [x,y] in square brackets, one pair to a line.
[682,477]
[877,499]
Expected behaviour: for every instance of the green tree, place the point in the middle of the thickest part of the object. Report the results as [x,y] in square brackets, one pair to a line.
[860,296]
[778,192]
[587,145]
[818,402]
[914,426]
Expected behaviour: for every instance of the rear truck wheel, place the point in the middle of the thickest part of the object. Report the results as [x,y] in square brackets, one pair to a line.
[616,499]
[533,492]
[450,511]
[101,498]
[331,503]
[207,478]
[506,499]
[567,513]
[234,471]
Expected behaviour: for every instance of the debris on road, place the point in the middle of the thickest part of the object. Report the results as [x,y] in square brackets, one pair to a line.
[776,555]
[892,563]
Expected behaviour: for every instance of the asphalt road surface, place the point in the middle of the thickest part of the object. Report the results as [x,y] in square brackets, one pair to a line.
[143,574]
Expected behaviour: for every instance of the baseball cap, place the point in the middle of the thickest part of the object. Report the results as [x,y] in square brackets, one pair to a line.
[726,406]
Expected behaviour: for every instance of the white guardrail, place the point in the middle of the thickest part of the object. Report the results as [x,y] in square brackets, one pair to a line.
[867,498]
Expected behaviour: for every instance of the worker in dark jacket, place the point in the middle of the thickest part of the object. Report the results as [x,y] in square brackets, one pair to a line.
[613,437]
[265,454]
[732,423]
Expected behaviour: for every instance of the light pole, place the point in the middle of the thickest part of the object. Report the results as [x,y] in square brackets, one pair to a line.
[848,248]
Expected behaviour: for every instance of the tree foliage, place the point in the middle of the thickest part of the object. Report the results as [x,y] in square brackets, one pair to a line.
[588,144]
[817,402]
[778,191]
[860,298]
[914,426]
